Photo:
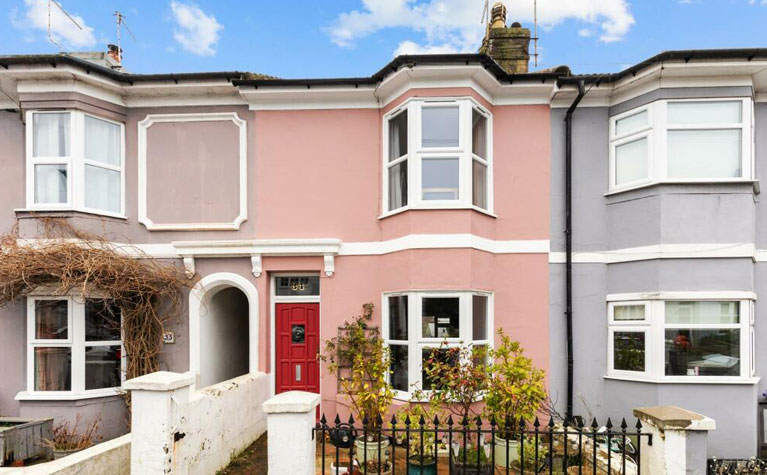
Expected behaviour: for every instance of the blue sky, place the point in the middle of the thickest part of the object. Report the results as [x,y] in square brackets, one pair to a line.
[335,38]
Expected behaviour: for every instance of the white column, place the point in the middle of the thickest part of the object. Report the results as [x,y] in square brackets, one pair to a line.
[155,399]
[678,441]
[290,418]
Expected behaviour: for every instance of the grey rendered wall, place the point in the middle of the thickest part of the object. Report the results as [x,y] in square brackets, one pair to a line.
[673,214]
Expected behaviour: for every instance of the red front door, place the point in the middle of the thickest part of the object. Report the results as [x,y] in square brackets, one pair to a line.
[297,340]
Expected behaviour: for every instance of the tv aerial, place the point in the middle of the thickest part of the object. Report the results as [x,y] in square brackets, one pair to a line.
[50,36]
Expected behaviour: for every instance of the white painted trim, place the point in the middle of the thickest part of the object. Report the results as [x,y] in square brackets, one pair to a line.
[201,295]
[151,119]
[444,241]
[663,251]
[686,295]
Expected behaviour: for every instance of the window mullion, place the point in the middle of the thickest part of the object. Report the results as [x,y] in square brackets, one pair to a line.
[77,174]
[465,184]
[78,345]
[414,336]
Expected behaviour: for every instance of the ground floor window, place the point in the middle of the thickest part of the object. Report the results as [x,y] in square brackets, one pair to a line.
[74,346]
[417,323]
[680,339]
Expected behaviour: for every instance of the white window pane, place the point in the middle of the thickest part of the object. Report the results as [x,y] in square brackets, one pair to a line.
[50,135]
[698,352]
[631,123]
[440,317]
[705,112]
[50,184]
[102,141]
[398,185]
[479,317]
[439,126]
[631,161]
[479,185]
[625,313]
[439,179]
[102,367]
[702,312]
[53,369]
[102,189]
[399,367]
[478,134]
[398,136]
[704,153]
[51,320]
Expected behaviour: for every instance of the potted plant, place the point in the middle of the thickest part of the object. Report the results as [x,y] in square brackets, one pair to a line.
[419,418]
[515,392]
[66,441]
[457,377]
[361,351]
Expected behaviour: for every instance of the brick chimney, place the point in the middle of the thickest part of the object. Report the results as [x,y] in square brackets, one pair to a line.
[508,46]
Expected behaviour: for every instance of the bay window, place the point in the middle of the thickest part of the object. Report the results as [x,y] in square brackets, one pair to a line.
[417,323]
[698,140]
[437,155]
[678,340]
[74,347]
[75,161]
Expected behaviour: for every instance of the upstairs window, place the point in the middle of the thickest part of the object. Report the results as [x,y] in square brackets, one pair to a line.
[437,156]
[75,161]
[696,140]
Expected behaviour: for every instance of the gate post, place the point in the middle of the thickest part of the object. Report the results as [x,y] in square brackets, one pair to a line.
[290,418]
[678,440]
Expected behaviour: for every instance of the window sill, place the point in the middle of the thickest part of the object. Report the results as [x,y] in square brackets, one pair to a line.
[649,184]
[687,379]
[403,396]
[71,211]
[67,396]
[436,208]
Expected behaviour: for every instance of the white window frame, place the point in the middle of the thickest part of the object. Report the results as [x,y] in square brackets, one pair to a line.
[657,136]
[75,164]
[416,342]
[76,341]
[417,153]
[654,327]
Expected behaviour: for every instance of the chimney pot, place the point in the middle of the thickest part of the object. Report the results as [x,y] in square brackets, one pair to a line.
[115,53]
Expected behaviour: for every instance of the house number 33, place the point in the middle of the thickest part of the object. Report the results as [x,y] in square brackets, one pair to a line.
[297,286]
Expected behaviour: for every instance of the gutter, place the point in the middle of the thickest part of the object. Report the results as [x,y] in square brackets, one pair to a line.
[569,244]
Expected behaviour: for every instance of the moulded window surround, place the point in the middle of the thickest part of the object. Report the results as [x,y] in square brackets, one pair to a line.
[445,161]
[661,340]
[670,141]
[408,329]
[80,166]
[64,333]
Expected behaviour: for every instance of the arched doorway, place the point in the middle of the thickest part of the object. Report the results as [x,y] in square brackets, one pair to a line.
[223,328]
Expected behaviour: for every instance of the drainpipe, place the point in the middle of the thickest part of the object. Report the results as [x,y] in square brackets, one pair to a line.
[569,243]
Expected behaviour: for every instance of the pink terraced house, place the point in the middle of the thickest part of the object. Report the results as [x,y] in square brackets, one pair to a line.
[423,188]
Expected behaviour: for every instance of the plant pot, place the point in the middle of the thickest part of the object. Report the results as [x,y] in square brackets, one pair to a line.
[343,467]
[57,454]
[372,449]
[457,466]
[374,471]
[416,467]
[500,451]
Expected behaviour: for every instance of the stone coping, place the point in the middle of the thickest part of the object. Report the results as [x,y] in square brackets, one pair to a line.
[292,402]
[160,381]
[674,418]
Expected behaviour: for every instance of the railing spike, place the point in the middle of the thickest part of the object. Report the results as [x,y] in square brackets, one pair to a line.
[351,419]
[536,423]
[479,421]
[337,420]
[551,422]
[465,421]
[421,421]
[580,423]
[393,420]
[379,420]
[492,420]
[407,420]
[323,421]
[450,420]
[365,420]
[623,424]
[639,425]
[436,421]
[609,424]
[594,424]
[566,423]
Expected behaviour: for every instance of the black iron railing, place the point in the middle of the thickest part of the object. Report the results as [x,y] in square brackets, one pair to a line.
[476,447]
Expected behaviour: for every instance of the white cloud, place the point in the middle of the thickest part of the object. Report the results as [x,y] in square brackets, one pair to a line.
[455,24]
[586,32]
[63,30]
[411,47]
[196,31]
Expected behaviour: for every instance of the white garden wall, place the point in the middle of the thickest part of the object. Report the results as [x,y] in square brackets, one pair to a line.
[111,457]
[177,430]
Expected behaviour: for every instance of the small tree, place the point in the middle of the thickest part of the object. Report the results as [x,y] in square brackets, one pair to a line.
[360,348]
[515,391]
